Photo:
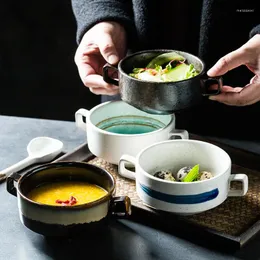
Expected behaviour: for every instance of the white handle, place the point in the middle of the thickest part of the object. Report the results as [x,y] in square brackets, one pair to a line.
[122,170]
[20,165]
[241,178]
[79,115]
[183,134]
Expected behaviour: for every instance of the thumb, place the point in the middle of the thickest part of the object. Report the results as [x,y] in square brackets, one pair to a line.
[107,48]
[228,62]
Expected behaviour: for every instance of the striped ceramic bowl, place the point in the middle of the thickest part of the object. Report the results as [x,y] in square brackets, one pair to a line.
[182,197]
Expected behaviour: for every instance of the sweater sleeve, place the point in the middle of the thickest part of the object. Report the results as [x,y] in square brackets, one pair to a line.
[254,31]
[90,12]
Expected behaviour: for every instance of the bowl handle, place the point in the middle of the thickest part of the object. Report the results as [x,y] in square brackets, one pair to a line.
[183,134]
[241,178]
[106,77]
[79,115]
[121,206]
[122,168]
[207,82]
[10,183]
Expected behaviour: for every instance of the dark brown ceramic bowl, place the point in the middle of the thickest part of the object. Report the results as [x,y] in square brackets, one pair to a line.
[66,220]
[161,97]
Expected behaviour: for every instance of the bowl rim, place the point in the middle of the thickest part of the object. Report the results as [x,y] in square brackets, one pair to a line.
[171,122]
[188,141]
[63,164]
[162,51]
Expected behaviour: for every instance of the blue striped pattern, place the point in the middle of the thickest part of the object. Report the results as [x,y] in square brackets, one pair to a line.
[181,199]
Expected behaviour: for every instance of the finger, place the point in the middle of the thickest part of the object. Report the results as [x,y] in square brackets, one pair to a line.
[90,48]
[85,49]
[213,87]
[102,91]
[85,70]
[225,88]
[97,82]
[247,96]
[230,61]
[255,79]
[231,89]
[107,48]
[228,98]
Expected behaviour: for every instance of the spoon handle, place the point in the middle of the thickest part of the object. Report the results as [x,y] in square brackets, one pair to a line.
[18,166]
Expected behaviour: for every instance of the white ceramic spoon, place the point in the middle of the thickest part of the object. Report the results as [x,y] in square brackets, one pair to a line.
[40,149]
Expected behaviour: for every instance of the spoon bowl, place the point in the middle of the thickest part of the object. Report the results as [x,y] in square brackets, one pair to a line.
[44,148]
[40,149]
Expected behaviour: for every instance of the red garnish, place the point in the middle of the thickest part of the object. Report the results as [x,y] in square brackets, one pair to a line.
[73,200]
[152,71]
[70,202]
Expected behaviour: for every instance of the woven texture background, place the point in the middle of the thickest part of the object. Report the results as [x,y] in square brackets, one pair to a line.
[232,217]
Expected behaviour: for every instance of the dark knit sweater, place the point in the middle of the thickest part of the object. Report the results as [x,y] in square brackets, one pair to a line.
[224,26]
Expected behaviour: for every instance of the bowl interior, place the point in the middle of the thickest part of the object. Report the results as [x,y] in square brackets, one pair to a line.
[174,154]
[66,171]
[141,59]
[120,113]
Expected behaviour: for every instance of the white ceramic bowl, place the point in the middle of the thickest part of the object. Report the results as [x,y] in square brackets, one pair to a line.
[182,197]
[111,146]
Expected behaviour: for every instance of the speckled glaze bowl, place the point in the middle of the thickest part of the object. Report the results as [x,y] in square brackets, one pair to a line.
[111,146]
[67,220]
[183,198]
[160,97]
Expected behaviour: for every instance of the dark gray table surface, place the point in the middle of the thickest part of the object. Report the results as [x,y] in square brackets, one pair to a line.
[123,239]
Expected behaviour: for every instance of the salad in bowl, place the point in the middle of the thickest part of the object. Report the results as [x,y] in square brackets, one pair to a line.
[166,67]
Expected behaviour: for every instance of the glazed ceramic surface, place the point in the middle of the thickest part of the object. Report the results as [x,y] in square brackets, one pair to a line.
[161,97]
[181,197]
[64,220]
[117,114]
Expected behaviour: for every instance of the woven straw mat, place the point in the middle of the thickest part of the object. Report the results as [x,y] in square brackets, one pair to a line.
[233,217]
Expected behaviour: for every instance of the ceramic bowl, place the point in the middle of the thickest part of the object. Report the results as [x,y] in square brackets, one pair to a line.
[183,197]
[60,220]
[161,97]
[115,128]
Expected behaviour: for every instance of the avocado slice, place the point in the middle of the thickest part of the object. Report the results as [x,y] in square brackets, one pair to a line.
[177,73]
[164,58]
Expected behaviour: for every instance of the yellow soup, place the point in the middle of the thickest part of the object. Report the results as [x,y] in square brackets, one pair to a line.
[66,193]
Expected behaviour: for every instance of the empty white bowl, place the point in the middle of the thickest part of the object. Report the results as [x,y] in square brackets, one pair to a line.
[115,128]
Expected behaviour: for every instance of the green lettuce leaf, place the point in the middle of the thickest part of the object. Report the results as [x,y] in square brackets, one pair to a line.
[193,174]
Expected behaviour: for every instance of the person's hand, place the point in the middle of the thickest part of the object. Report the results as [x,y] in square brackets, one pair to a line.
[249,55]
[104,42]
